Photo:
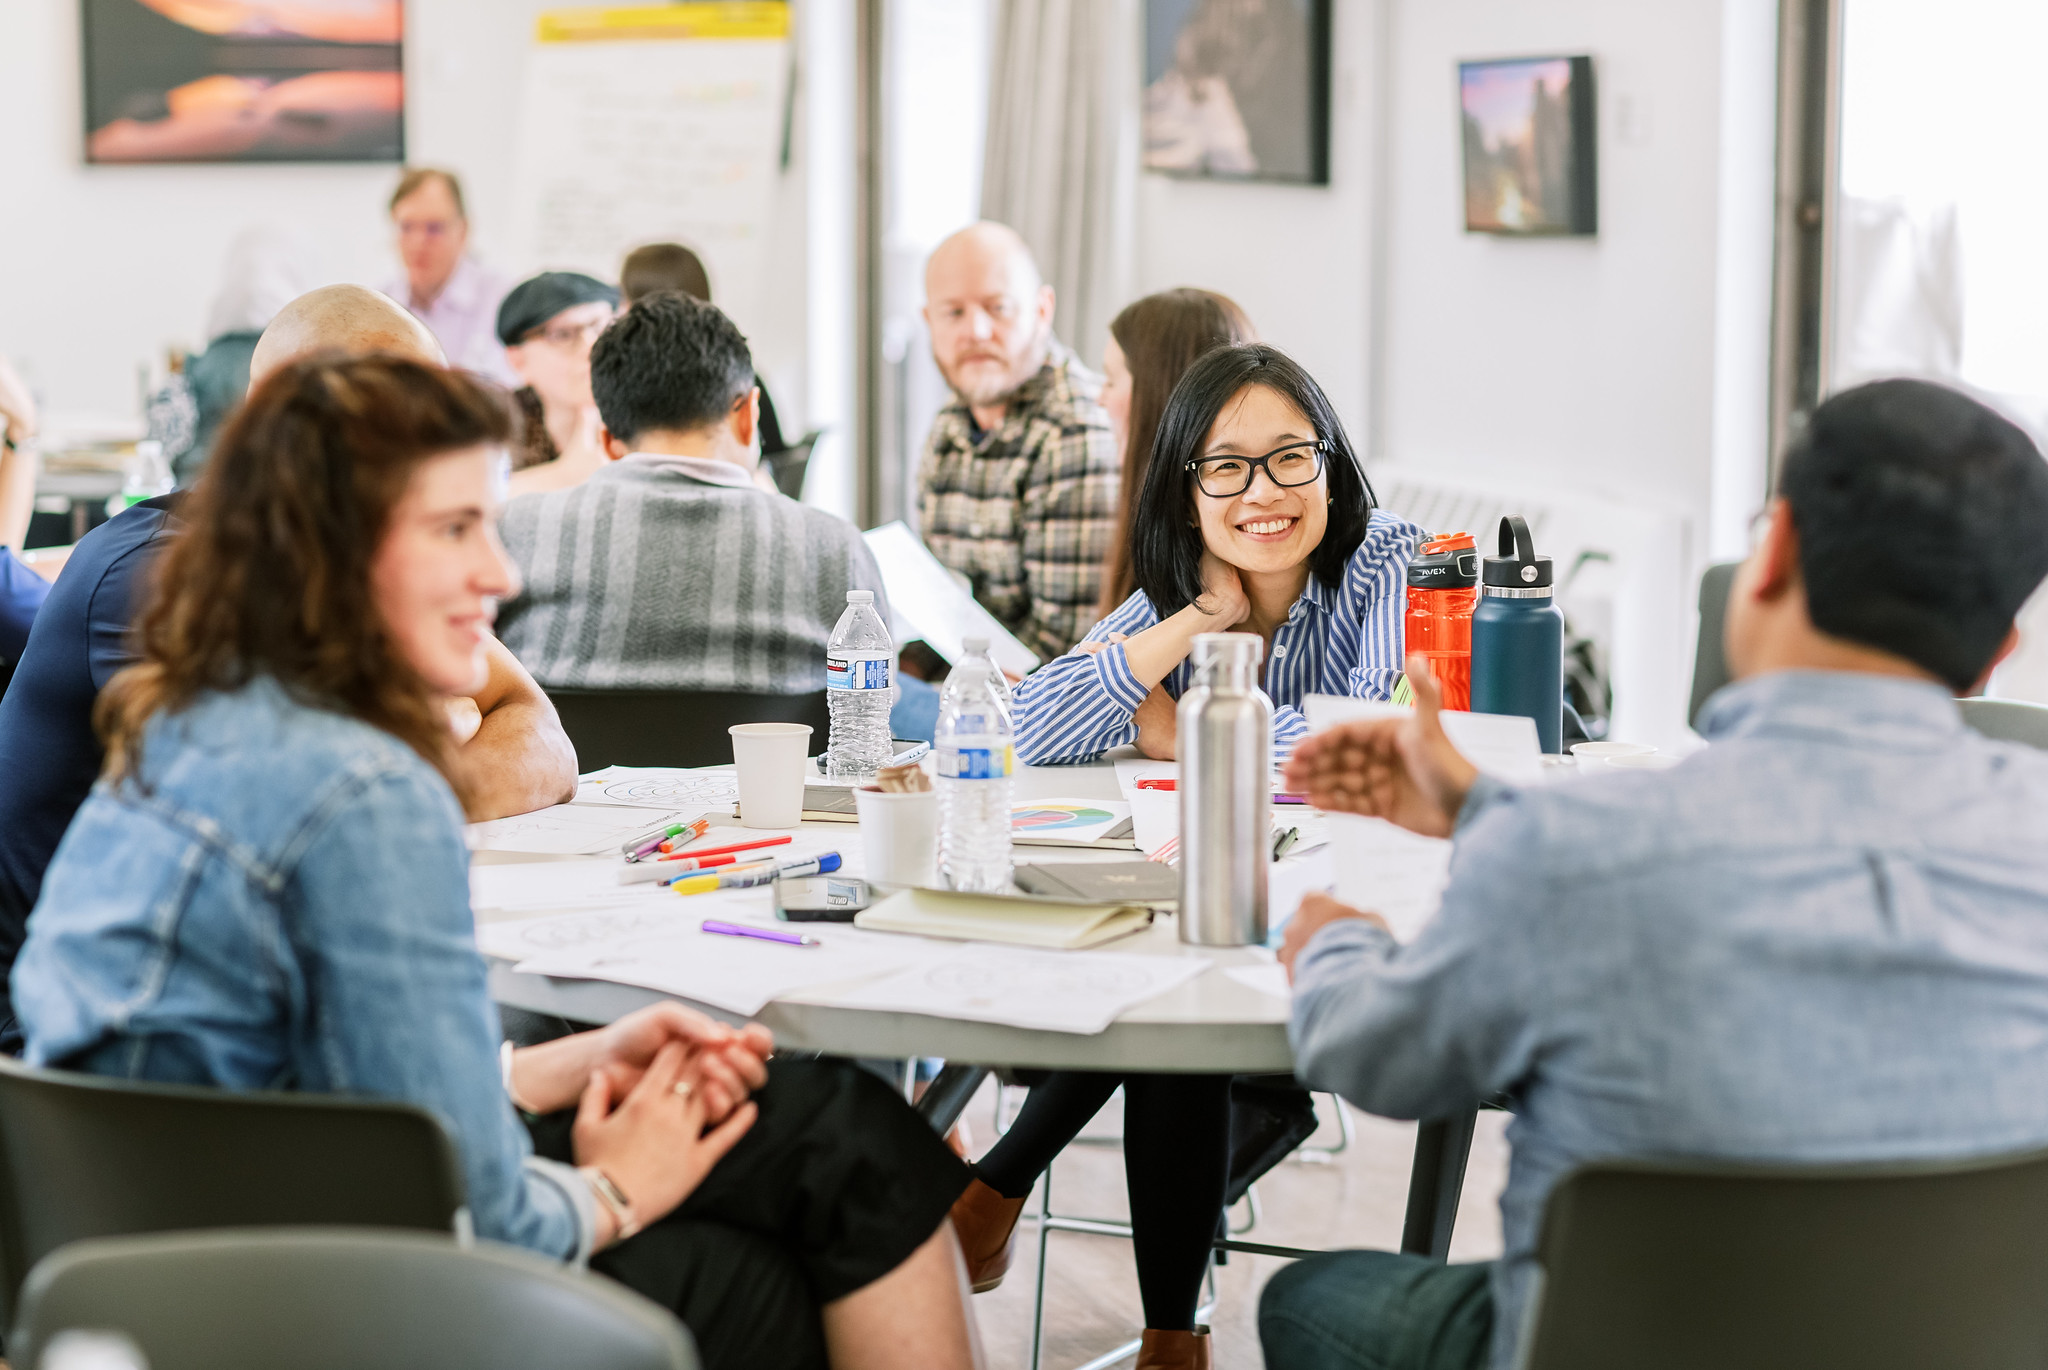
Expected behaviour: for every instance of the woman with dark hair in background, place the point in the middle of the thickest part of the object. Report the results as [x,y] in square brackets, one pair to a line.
[269,890]
[1151,343]
[1255,517]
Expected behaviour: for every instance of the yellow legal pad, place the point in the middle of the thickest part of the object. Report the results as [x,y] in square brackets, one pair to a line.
[1057,924]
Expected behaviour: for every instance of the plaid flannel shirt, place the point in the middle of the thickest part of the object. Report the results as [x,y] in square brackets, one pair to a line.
[1027,510]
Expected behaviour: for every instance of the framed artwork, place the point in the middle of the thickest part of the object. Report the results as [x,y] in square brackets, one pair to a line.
[244,80]
[1238,89]
[1529,137]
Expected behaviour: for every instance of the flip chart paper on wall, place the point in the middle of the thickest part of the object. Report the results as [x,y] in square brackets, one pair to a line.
[936,607]
[660,123]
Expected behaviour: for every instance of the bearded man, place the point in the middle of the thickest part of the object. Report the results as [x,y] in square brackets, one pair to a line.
[1017,489]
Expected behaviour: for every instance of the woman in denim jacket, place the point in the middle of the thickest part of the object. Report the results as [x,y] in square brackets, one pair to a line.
[268,889]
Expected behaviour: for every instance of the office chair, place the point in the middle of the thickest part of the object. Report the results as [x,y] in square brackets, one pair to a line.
[1794,1268]
[87,1156]
[674,727]
[341,1298]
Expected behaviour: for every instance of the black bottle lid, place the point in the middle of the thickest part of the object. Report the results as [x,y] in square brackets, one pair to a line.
[1449,570]
[1517,566]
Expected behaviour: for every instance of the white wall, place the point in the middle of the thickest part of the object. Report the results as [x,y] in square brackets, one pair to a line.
[1296,258]
[102,267]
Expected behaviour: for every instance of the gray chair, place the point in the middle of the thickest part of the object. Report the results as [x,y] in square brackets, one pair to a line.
[339,1299]
[2008,720]
[87,1156]
[1709,659]
[1853,1268]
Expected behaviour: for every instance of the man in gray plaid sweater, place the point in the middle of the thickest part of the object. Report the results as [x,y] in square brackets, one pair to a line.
[671,568]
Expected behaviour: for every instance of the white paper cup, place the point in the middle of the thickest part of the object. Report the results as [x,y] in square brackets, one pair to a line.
[769,760]
[1592,756]
[899,835]
[1642,761]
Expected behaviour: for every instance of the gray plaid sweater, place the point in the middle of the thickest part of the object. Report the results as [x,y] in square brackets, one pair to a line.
[646,578]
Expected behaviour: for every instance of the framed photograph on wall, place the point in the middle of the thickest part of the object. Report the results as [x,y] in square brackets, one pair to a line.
[1529,137]
[1238,89]
[244,80]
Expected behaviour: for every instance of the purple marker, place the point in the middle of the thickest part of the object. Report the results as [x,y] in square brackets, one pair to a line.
[794,939]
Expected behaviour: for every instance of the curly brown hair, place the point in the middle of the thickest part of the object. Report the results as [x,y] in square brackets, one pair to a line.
[269,574]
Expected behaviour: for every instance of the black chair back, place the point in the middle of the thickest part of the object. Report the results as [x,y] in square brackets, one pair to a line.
[339,1299]
[789,465]
[674,727]
[1795,1269]
[88,1156]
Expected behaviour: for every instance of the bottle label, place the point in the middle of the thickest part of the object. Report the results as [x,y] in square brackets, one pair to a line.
[975,763]
[856,673]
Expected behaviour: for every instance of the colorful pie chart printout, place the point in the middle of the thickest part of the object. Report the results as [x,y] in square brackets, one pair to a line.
[1065,820]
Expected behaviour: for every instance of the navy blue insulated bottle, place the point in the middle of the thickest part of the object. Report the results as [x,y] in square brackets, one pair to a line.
[1518,637]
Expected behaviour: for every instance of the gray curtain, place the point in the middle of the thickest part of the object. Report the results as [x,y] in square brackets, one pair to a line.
[1062,159]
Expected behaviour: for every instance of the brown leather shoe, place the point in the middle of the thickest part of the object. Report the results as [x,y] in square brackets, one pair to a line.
[987,1225]
[1174,1350]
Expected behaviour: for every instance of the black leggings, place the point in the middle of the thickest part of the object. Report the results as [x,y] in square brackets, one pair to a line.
[1176,1167]
[835,1185]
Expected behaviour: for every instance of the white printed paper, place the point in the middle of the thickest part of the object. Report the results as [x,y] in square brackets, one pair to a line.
[711,788]
[1268,979]
[664,947]
[1504,746]
[1389,871]
[1065,821]
[570,829]
[1054,991]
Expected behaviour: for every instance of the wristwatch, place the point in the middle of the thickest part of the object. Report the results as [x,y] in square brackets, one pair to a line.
[613,1198]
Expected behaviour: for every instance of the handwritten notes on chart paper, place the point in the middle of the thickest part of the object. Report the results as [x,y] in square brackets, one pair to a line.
[650,124]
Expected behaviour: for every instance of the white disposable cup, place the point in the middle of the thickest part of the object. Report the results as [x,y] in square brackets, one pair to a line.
[899,835]
[1643,761]
[770,760]
[1592,756]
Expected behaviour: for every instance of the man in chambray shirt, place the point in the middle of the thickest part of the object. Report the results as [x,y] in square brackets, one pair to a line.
[1823,939]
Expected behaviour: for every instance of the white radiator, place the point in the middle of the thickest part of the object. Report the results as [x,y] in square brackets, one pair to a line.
[1627,579]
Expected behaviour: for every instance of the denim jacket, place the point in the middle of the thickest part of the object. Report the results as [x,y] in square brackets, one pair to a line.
[282,902]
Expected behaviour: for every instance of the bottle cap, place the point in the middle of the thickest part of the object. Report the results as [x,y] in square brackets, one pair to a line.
[860,596]
[1445,563]
[974,646]
[1517,567]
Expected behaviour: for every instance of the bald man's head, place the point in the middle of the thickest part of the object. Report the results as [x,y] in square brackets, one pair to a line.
[990,313]
[342,318]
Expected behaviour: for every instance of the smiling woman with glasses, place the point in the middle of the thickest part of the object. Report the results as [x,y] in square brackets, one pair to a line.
[1255,517]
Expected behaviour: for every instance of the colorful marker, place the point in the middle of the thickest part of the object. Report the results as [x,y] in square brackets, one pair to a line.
[642,846]
[794,939]
[721,851]
[662,872]
[746,877]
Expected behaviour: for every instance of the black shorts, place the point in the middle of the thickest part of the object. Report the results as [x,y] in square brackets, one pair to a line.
[836,1184]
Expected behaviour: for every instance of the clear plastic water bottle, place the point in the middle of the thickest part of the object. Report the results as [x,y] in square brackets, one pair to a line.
[975,761]
[858,690]
[976,649]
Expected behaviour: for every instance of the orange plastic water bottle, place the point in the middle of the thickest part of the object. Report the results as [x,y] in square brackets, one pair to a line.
[1443,588]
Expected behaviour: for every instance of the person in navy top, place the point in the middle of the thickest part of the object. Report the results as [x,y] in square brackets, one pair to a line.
[1256,517]
[22,592]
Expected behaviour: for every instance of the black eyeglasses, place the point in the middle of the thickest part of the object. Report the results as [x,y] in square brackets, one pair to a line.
[1298,463]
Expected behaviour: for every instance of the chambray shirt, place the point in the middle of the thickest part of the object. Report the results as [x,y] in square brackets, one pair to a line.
[1824,939]
[1342,641]
[284,904]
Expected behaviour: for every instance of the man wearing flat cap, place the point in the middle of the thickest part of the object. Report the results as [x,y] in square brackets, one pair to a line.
[547,324]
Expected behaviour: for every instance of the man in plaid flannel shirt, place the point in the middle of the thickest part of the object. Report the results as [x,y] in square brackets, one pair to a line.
[1018,487]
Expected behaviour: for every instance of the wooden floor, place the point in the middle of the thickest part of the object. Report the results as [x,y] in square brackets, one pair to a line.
[1091,1291]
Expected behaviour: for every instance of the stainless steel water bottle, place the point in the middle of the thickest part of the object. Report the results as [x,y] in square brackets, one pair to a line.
[1224,730]
[1518,637]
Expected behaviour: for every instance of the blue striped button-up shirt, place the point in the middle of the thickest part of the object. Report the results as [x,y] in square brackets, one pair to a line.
[1342,641]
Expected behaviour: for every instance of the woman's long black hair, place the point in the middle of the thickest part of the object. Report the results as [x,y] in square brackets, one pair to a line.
[1166,551]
